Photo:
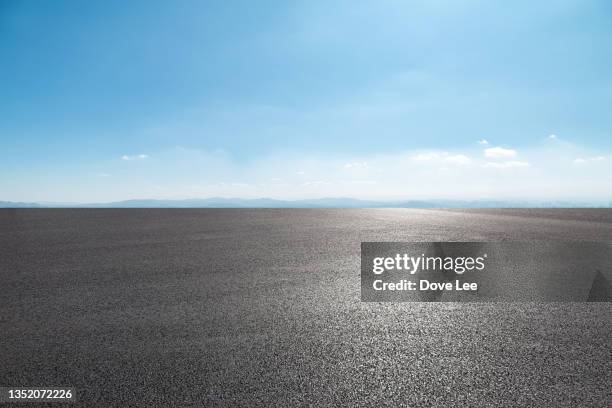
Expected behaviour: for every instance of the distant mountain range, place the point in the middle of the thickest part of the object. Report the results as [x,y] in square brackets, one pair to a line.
[13,204]
[334,202]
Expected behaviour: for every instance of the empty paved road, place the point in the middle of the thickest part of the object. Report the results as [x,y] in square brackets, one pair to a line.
[261,307]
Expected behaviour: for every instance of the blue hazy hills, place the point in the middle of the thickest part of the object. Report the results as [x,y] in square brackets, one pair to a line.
[332,202]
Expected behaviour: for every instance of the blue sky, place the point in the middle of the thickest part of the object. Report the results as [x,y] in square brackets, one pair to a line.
[145,99]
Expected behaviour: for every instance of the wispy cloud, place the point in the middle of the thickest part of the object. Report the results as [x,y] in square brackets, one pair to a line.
[356,165]
[506,164]
[483,142]
[442,158]
[499,153]
[545,171]
[134,157]
[581,160]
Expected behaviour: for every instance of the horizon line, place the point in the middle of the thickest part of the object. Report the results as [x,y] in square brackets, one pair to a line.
[320,202]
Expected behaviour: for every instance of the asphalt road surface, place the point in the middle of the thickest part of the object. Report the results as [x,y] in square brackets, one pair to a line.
[261,307]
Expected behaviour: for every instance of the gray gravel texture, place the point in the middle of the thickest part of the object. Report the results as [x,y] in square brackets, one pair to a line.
[261,307]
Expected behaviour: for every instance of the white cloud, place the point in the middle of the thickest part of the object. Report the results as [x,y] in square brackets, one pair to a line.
[506,164]
[545,171]
[499,153]
[483,142]
[426,157]
[316,183]
[552,137]
[458,159]
[356,165]
[581,160]
[442,157]
[134,157]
